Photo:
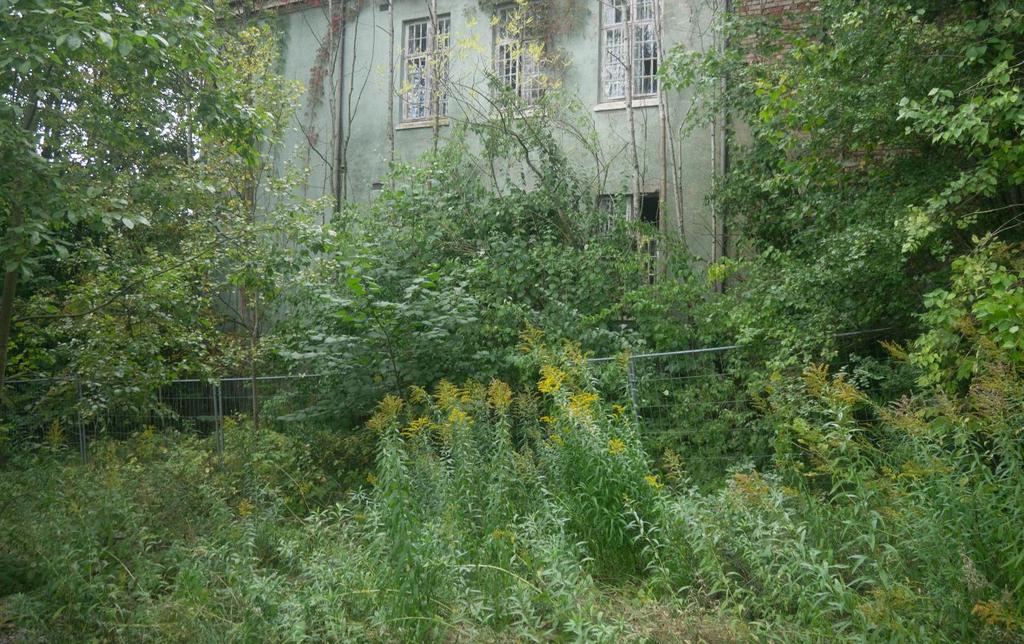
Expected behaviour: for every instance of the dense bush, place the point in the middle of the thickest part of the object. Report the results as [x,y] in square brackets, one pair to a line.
[440,274]
[904,527]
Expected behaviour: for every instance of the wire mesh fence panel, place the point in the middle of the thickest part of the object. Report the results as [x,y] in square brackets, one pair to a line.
[185,405]
[694,407]
[77,413]
[277,400]
[704,411]
[700,407]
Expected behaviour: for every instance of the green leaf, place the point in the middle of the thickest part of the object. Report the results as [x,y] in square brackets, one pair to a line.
[106,39]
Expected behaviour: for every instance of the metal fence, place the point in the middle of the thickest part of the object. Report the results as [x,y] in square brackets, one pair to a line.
[702,405]
[699,403]
[79,411]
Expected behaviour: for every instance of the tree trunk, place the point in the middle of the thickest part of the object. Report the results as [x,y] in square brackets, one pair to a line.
[254,339]
[630,115]
[719,156]
[391,92]
[340,143]
[666,131]
[435,96]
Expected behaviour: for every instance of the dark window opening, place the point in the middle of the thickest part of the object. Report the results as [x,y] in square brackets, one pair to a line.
[650,213]
[650,207]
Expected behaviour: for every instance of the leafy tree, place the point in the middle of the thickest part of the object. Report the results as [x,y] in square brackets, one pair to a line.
[101,107]
[872,140]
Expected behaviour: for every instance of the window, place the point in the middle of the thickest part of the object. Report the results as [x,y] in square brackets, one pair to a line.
[650,214]
[621,205]
[618,18]
[425,69]
[516,55]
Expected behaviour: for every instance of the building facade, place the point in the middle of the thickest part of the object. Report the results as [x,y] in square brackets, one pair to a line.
[393,80]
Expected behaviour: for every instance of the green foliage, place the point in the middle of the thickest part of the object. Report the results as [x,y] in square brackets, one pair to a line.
[127,89]
[900,524]
[979,314]
[472,528]
[492,512]
[871,141]
[184,146]
[436,278]
[525,497]
[878,185]
[978,113]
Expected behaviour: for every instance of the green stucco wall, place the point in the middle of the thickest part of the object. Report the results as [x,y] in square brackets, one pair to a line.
[366,80]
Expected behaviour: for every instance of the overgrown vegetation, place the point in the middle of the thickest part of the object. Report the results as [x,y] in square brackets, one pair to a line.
[862,491]
[495,513]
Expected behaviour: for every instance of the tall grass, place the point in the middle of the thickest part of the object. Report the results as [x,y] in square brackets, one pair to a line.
[495,514]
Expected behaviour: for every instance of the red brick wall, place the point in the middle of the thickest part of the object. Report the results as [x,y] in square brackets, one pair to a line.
[773,7]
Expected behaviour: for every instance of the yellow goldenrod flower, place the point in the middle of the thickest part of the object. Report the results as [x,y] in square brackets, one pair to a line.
[895,350]
[371,478]
[846,392]
[551,379]
[547,420]
[416,426]
[653,481]
[245,508]
[387,411]
[55,434]
[580,404]
[815,378]
[615,446]
[530,339]
[618,411]
[995,613]
[447,394]
[499,395]
[574,354]
[418,395]
[557,440]
[751,486]
[473,391]
[458,417]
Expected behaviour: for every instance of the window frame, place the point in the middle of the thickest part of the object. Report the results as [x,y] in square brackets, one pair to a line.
[432,57]
[621,205]
[645,85]
[528,81]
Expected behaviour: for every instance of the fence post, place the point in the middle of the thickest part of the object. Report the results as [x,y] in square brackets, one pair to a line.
[218,415]
[79,425]
[158,417]
[631,379]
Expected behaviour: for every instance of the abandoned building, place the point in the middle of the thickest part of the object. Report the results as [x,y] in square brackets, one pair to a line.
[392,80]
